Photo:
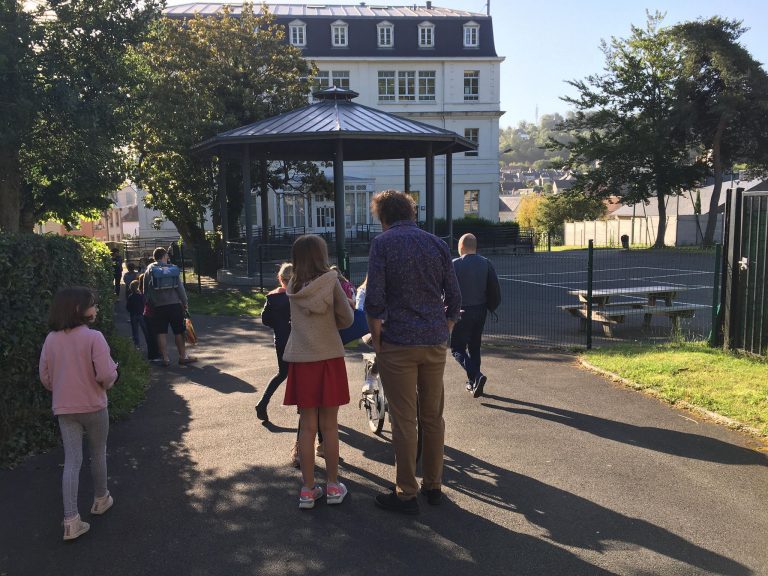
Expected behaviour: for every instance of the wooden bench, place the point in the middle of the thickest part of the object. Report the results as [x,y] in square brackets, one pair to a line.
[615,313]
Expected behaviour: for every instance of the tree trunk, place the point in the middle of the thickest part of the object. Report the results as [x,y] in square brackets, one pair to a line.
[662,229]
[204,261]
[10,191]
[717,167]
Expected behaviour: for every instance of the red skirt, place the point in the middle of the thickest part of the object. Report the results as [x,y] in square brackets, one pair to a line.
[317,384]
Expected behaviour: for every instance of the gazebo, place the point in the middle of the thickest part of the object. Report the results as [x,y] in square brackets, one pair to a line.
[333,129]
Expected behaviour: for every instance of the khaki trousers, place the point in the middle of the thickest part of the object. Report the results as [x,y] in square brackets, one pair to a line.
[404,370]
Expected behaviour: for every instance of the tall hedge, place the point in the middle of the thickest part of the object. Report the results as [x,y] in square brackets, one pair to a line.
[32,269]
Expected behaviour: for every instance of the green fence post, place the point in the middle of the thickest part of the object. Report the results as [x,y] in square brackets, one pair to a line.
[590,268]
[714,333]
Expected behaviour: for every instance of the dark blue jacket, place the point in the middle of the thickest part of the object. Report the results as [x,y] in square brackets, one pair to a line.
[135,304]
[277,315]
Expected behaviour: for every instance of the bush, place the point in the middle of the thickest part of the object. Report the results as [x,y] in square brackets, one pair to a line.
[134,375]
[32,269]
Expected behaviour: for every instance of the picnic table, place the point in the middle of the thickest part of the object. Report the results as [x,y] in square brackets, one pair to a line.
[650,301]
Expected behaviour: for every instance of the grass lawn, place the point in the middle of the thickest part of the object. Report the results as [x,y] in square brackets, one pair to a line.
[730,385]
[226,302]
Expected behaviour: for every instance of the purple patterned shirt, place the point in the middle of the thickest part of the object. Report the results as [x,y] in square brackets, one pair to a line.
[412,286]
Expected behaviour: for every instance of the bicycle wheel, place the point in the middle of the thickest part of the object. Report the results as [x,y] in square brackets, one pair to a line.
[375,413]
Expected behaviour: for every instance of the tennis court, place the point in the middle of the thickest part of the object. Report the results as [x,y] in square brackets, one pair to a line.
[535,286]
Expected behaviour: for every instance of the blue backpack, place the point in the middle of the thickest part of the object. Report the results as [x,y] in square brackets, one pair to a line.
[164,276]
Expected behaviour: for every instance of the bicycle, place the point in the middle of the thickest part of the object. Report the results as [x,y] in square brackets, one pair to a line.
[375,401]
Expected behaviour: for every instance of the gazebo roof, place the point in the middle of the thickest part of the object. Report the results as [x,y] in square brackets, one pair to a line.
[309,133]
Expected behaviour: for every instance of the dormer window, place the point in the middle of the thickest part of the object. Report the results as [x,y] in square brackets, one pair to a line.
[297,33]
[339,34]
[471,35]
[426,35]
[386,34]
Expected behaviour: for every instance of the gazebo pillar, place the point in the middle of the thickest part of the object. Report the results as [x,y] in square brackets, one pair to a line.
[406,174]
[248,205]
[449,197]
[264,186]
[430,202]
[339,215]
[221,180]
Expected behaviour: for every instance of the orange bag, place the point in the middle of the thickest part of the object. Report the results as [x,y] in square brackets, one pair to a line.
[190,335]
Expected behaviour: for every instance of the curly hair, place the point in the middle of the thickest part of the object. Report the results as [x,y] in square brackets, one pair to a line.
[391,206]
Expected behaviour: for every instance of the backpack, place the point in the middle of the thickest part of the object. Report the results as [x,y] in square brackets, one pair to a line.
[164,277]
[492,290]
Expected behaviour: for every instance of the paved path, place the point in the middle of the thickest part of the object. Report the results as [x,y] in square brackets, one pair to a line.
[554,472]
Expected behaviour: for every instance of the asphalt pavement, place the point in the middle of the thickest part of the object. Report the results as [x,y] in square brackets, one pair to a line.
[554,471]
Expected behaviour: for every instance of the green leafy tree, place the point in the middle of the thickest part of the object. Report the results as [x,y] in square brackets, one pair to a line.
[630,127]
[200,77]
[571,207]
[727,90]
[63,106]
[525,144]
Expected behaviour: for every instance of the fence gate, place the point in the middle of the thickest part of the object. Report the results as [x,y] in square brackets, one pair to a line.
[745,297]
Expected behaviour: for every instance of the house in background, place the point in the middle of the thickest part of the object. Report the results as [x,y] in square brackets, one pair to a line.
[435,65]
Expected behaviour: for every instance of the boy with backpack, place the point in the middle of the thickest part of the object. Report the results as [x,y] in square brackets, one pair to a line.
[165,292]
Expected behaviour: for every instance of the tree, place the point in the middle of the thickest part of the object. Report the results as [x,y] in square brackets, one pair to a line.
[527,210]
[570,207]
[200,77]
[63,72]
[630,127]
[525,144]
[727,90]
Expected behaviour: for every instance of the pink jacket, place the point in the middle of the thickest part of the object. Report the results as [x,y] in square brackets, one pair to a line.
[77,367]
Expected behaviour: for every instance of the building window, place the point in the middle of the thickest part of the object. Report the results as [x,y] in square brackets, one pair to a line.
[473,135]
[322,80]
[297,32]
[427,85]
[386,35]
[386,86]
[471,202]
[471,84]
[426,35]
[339,34]
[340,79]
[471,35]
[406,85]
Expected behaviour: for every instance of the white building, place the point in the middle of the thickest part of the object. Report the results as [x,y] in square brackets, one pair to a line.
[434,65]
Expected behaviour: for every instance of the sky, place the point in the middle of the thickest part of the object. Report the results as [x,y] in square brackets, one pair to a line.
[547,42]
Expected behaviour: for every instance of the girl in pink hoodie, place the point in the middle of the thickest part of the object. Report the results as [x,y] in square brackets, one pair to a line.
[76,366]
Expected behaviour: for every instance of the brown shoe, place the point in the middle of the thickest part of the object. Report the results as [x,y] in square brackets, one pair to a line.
[187,360]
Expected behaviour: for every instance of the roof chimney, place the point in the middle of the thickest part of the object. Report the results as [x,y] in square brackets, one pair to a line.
[429,5]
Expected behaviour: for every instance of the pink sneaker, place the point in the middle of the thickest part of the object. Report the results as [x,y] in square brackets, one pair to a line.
[307,497]
[335,493]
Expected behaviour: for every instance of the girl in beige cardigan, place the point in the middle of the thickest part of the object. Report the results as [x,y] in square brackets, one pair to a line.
[317,375]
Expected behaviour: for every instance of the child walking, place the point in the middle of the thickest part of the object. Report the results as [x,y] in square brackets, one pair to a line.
[76,366]
[317,375]
[277,315]
[135,307]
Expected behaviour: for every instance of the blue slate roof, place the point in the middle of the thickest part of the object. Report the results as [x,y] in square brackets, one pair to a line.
[310,133]
[362,31]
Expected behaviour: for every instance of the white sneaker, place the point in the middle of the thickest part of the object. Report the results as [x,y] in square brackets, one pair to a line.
[101,505]
[74,528]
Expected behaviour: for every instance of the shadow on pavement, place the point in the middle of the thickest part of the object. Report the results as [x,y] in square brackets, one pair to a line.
[212,377]
[569,519]
[664,440]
